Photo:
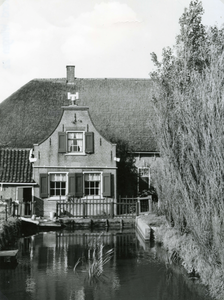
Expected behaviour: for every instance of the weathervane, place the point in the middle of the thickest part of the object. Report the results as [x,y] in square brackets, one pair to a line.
[73,97]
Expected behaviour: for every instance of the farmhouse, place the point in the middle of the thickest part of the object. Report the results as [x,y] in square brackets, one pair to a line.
[58,138]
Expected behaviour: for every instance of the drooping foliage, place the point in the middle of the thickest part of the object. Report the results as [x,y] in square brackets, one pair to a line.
[189,106]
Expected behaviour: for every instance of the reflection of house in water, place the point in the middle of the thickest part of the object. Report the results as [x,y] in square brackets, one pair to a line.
[46,261]
[55,255]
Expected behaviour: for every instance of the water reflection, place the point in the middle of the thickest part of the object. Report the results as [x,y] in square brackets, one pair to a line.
[46,262]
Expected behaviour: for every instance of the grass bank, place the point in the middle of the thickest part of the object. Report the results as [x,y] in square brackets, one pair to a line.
[182,248]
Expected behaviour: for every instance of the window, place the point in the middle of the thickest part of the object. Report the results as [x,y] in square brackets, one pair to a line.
[92,183]
[76,184]
[75,141]
[58,184]
[144,178]
[144,172]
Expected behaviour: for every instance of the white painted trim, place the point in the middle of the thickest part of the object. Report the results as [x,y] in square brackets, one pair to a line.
[75,154]
[74,167]
[49,180]
[16,183]
[58,172]
[101,184]
[55,198]
[83,142]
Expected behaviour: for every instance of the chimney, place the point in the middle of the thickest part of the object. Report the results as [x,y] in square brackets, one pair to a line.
[70,74]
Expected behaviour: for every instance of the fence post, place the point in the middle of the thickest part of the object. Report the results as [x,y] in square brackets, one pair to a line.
[13,209]
[150,204]
[32,208]
[84,210]
[20,209]
[137,207]
[10,206]
[6,212]
[56,209]
[73,204]
[69,208]
[112,209]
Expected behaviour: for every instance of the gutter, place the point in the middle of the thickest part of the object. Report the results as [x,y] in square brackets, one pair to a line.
[73,167]
[17,183]
[14,183]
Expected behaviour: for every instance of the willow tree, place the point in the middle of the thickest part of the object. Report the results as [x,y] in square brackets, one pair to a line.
[189,104]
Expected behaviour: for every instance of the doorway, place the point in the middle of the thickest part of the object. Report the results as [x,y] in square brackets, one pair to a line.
[24,195]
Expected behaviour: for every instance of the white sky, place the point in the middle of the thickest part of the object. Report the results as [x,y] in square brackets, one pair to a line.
[102,38]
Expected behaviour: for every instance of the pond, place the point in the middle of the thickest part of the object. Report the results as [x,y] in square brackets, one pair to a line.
[45,270]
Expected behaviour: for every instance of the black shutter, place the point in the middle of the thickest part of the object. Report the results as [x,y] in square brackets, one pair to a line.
[61,142]
[107,191]
[71,184]
[78,184]
[43,185]
[89,136]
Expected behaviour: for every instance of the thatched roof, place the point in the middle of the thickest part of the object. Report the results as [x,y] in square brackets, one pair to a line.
[119,108]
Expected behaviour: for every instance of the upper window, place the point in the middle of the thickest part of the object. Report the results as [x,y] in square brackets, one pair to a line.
[75,141]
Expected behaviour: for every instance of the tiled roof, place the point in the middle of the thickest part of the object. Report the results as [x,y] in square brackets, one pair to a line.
[120,109]
[15,166]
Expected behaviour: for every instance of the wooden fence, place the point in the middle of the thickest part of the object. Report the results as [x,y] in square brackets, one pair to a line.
[124,207]
[82,208]
[78,207]
[9,208]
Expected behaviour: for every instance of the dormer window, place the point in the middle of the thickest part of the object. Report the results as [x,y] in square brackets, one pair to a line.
[75,142]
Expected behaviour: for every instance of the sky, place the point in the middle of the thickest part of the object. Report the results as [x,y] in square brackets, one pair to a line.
[102,38]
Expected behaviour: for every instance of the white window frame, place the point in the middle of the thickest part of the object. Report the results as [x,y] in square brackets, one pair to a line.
[101,185]
[83,144]
[145,176]
[49,185]
[144,168]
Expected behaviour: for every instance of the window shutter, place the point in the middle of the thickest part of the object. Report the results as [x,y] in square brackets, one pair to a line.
[61,142]
[107,185]
[89,142]
[20,194]
[78,184]
[43,185]
[71,184]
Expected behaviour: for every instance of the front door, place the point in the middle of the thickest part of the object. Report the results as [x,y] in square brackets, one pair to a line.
[25,197]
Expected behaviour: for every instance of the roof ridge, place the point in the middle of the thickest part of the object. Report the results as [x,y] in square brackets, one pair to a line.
[93,78]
